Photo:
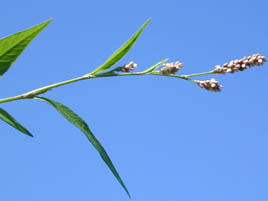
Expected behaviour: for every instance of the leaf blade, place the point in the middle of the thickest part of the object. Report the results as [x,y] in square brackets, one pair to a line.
[12,46]
[6,117]
[122,51]
[82,125]
[154,67]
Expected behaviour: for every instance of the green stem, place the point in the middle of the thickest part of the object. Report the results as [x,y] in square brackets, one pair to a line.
[13,98]
[38,91]
[198,74]
[35,92]
[184,77]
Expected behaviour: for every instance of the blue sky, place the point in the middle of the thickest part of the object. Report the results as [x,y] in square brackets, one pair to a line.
[169,139]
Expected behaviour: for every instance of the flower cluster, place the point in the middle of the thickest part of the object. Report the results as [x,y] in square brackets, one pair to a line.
[211,85]
[170,68]
[240,65]
[127,67]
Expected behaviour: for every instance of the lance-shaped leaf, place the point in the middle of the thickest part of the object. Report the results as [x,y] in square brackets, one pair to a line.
[82,125]
[12,46]
[6,117]
[118,54]
[154,67]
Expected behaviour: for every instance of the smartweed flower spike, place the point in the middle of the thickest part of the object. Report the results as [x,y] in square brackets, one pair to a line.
[240,65]
[211,85]
[171,68]
[11,49]
[128,67]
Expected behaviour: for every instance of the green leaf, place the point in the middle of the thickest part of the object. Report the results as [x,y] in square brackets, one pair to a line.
[12,122]
[82,125]
[12,46]
[154,67]
[118,54]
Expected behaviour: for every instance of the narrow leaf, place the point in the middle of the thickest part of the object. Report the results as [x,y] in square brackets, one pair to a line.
[82,125]
[12,46]
[118,54]
[12,122]
[154,67]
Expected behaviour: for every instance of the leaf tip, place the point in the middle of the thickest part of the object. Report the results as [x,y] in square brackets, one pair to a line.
[128,194]
[147,22]
[165,60]
[49,21]
[45,23]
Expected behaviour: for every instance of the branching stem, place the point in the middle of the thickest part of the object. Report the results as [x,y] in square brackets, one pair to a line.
[36,92]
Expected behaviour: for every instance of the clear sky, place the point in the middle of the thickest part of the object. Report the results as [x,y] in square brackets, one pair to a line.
[169,139]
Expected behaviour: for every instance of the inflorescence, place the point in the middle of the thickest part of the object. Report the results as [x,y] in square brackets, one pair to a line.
[231,67]
[171,68]
[212,84]
[240,65]
[127,67]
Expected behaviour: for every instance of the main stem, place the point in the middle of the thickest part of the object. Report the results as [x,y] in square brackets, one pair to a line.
[35,92]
